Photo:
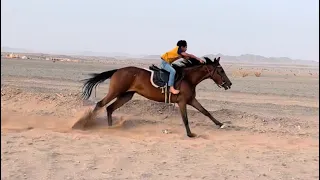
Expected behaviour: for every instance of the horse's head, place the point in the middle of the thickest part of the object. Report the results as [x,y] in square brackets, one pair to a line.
[216,73]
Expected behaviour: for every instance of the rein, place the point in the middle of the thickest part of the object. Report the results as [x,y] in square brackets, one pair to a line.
[211,73]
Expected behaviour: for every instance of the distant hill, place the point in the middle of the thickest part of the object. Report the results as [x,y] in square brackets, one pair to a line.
[245,58]
[15,50]
[251,59]
[256,59]
[151,57]
[78,53]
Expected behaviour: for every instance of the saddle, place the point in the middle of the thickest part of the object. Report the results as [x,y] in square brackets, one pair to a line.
[160,77]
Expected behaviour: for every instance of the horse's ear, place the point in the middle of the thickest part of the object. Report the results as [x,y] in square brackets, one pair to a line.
[208,60]
[216,60]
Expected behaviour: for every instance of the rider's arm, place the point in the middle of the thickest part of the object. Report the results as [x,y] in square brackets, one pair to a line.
[190,56]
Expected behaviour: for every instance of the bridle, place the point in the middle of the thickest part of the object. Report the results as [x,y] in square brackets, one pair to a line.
[211,73]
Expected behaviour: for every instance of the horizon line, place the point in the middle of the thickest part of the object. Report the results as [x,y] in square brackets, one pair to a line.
[79,52]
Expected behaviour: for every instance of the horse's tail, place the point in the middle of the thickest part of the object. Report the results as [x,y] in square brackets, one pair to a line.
[94,81]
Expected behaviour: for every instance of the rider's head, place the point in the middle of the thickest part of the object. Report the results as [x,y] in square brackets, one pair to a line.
[183,45]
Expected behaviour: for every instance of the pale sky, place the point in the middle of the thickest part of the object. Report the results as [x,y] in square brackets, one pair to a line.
[275,28]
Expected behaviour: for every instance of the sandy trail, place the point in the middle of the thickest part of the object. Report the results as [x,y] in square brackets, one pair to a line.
[271,133]
[136,148]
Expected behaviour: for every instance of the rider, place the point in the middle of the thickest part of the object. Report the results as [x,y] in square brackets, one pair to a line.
[169,57]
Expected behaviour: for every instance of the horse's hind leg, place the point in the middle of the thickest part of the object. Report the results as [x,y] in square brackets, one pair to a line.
[110,96]
[121,100]
[85,120]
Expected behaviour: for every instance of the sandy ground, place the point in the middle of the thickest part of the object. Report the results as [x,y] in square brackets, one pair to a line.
[272,132]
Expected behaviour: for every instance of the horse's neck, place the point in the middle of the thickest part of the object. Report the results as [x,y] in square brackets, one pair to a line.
[196,75]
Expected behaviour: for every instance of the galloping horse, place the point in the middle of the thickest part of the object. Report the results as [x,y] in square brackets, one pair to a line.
[127,81]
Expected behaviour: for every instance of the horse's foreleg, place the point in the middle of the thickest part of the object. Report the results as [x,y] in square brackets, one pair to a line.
[195,103]
[121,100]
[183,111]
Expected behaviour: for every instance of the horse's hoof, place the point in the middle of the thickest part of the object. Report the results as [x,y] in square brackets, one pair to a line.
[222,126]
[192,135]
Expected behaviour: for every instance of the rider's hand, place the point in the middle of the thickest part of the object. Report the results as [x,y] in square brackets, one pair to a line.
[201,61]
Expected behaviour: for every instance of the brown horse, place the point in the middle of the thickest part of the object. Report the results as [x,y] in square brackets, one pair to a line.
[127,81]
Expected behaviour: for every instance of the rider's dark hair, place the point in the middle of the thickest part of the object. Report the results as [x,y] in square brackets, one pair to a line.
[182,43]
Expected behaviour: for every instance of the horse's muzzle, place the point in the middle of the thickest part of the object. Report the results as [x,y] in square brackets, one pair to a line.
[226,85]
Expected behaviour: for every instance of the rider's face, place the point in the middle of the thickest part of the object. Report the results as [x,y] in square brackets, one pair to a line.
[184,49]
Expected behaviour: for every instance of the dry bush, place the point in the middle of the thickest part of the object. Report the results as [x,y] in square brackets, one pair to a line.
[240,73]
[257,74]
[244,73]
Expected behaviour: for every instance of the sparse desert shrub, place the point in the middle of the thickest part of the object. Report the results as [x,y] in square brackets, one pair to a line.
[240,73]
[257,74]
[244,73]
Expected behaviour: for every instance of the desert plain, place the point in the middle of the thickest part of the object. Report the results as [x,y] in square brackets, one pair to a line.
[271,113]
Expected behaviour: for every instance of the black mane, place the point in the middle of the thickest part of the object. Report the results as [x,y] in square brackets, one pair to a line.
[193,62]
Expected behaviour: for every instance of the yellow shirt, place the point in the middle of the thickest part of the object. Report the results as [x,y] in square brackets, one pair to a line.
[171,56]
